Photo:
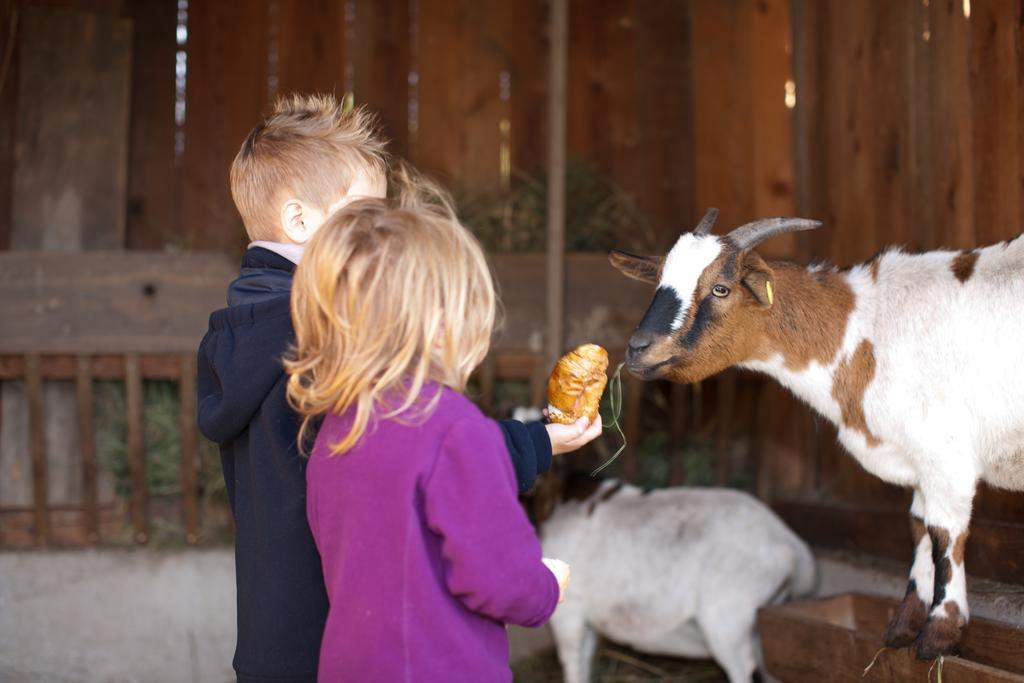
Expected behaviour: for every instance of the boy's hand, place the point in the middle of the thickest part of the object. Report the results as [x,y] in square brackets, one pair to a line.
[566,438]
[561,571]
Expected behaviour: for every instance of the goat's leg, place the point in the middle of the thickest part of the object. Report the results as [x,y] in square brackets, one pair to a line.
[913,611]
[728,630]
[947,519]
[576,641]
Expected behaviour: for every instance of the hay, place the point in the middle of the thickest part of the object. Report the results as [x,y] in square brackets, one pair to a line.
[615,402]
[615,663]
[873,660]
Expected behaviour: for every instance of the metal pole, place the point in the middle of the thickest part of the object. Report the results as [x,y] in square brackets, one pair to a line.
[559,24]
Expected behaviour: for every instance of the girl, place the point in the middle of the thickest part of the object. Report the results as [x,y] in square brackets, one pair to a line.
[411,494]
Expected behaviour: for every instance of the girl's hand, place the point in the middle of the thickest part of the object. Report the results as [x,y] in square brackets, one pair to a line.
[561,571]
[566,438]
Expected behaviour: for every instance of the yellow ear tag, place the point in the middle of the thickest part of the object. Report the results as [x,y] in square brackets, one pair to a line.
[771,296]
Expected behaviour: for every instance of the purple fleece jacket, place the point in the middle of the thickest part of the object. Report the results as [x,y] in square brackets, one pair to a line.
[426,551]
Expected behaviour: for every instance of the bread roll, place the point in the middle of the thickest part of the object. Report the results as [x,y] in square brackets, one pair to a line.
[577,383]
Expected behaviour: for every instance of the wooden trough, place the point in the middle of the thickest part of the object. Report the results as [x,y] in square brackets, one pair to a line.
[835,639]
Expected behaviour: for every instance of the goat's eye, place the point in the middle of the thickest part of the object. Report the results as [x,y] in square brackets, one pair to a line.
[720,290]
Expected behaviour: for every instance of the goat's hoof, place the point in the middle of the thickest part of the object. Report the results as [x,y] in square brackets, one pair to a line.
[940,636]
[908,622]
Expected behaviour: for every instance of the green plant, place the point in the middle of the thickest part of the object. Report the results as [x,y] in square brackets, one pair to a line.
[161,419]
[161,435]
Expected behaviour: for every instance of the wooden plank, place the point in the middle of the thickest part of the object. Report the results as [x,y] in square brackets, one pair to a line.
[722,92]
[70,160]
[105,7]
[952,136]
[525,43]
[539,374]
[587,89]
[554,280]
[152,216]
[66,523]
[83,386]
[227,93]
[189,448]
[836,638]
[109,302]
[603,124]
[679,399]
[483,60]
[764,474]
[875,155]
[724,434]
[601,304]
[810,40]
[487,377]
[37,445]
[311,45]
[663,183]
[780,426]
[71,141]
[513,365]
[9,18]
[998,504]
[136,449]
[851,147]
[922,83]
[439,33]
[772,121]
[381,62]
[996,101]
[12,367]
[160,303]
[995,550]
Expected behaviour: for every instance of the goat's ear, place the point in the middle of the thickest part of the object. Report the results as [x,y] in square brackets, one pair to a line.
[643,268]
[758,277]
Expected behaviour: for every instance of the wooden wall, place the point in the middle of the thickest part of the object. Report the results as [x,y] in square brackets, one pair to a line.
[457,84]
[905,129]
[908,123]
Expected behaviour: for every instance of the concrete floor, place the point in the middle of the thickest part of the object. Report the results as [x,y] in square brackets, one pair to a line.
[121,616]
[161,616]
[117,616]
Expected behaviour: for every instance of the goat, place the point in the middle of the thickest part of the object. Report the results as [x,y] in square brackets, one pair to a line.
[916,358]
[677,571]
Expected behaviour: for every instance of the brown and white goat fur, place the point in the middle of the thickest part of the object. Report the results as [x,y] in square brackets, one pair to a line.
[677,571]
[916,358]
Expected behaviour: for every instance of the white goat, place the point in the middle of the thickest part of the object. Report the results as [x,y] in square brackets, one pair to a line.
[678,571]
[917,358]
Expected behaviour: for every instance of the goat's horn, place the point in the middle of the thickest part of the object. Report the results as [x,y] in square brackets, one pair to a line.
[704,227]
[751,234]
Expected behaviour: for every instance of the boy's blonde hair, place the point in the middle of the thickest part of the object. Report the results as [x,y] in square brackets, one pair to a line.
[389,295]
[309,148]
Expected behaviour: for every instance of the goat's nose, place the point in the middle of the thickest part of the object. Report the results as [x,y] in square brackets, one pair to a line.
[639,343]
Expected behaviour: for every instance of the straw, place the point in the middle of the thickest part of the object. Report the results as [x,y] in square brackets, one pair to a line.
[873,660]
[615,402]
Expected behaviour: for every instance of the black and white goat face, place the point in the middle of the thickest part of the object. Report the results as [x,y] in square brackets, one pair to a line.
[713,294]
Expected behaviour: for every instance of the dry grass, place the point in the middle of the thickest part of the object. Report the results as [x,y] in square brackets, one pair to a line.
[615,663]
[599,214]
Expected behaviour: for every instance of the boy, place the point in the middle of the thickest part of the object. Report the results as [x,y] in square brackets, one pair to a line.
[305,161]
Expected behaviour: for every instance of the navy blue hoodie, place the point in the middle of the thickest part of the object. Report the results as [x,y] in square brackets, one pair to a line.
[282,603]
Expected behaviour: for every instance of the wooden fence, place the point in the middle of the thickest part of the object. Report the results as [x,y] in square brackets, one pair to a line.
[137,316]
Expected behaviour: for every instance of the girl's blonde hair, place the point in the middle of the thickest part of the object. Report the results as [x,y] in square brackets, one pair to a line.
[390,295]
